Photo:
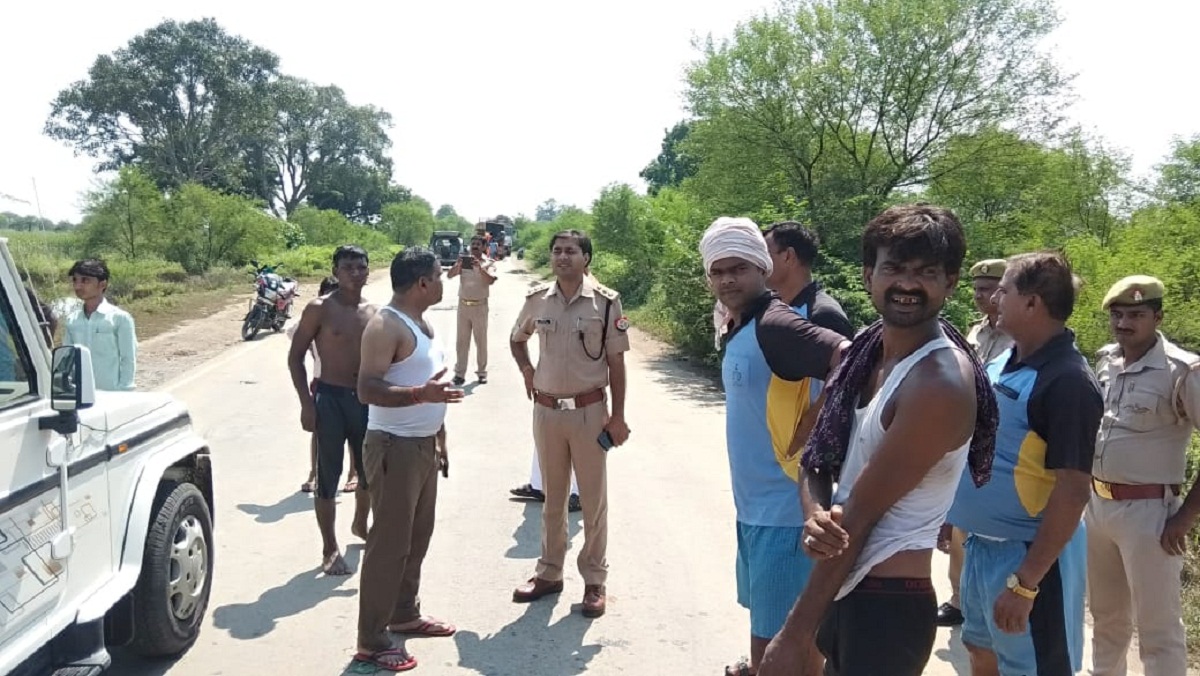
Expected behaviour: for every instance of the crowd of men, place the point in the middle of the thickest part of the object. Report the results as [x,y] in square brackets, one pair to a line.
[1045,479]
[383,389]
[853,455]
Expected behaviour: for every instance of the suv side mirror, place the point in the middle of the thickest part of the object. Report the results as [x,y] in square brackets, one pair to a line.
[72,383]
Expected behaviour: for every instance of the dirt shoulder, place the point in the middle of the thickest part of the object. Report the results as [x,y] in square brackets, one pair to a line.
[189,344]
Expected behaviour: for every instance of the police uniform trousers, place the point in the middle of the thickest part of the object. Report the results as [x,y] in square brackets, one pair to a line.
[566,440]
[1132,578]
[472,321]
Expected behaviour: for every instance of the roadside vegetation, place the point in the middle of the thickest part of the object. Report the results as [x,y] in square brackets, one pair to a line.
[828,112]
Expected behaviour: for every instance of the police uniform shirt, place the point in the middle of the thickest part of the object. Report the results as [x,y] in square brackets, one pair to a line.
[1150,409]
[988,341]
[573,344]
[472,285]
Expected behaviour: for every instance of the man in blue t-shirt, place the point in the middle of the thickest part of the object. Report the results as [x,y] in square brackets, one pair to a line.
[1023,579]
[771,357]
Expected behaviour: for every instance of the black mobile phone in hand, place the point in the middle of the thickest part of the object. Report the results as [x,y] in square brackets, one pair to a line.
[605,440]
[468,262]
[445,463]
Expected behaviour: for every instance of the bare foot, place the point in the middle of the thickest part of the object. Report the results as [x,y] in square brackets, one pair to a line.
[359,530]
[334,564]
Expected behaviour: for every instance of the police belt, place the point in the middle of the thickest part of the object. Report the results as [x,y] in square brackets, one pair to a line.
[471,303]
[570,403]
[1112,491]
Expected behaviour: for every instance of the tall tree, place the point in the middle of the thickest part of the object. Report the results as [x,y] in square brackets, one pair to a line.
[1179,174]
[673,164]
[176,101]
[125,216]
[316,141]
[845,101]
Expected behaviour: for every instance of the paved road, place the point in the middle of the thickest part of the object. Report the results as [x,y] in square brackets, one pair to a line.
[672,608]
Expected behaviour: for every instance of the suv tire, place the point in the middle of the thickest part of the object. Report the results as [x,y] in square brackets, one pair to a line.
[172,591]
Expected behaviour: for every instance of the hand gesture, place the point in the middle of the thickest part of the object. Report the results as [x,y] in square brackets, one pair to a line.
[786,656]
[1174,535]
[944,536]
[824,537]
[437,391]
[527,374]
[618,430]
[1011,612]
[308,416]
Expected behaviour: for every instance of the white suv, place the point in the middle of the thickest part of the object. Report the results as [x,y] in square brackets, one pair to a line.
[105,508]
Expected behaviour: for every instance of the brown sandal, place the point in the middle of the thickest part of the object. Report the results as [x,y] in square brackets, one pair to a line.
[739,668]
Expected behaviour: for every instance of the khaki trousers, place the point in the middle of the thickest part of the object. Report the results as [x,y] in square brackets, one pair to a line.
[566,440]
[402,481]
[472,321]
[1132,580]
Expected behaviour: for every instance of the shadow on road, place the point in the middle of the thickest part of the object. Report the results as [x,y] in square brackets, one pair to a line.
[527,538]
[687,380]
[956,655]
[247,621]
[530,645]
[292,504]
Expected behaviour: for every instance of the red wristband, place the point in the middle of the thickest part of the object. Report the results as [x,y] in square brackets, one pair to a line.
[416,395]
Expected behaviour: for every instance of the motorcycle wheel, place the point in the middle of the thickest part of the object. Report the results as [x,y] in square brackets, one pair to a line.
[250,325]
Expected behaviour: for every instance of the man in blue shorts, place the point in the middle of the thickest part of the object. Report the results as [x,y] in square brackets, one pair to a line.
[772,356]
[1024,575]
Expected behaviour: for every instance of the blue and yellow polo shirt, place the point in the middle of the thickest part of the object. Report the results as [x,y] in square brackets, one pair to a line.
[769,362]
[1050,408]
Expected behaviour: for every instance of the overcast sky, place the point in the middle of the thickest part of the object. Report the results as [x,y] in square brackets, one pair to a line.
[499,106]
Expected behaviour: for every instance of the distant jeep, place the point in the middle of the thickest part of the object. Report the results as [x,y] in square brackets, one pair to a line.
[447,245]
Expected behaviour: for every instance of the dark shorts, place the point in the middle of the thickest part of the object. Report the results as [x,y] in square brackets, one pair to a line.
[886,626]
[341,418]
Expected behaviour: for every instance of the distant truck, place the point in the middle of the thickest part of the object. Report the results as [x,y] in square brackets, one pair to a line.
[500,230]
[106,508]
[447,245]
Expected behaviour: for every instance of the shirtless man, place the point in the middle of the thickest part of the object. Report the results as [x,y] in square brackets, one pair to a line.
[908,410]
[335,323]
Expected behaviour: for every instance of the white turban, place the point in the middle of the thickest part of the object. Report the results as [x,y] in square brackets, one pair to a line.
[732,238]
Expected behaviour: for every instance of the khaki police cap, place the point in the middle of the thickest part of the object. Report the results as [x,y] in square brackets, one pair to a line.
[993,267]
[1133,290]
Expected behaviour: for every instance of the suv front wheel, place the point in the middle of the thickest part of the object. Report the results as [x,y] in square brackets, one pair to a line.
[172,591]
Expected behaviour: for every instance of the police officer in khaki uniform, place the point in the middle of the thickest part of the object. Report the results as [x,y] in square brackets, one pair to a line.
[477,273]
[1137,520]
[989,343]
[582,342]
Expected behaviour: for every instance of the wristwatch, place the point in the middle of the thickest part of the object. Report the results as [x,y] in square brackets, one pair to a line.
[1014,585]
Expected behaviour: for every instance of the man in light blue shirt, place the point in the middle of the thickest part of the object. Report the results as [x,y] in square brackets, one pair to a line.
[103,328]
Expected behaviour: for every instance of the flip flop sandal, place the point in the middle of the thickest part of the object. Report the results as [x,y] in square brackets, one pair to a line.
[350,486]
[375,660]
[740,668]
[432,628]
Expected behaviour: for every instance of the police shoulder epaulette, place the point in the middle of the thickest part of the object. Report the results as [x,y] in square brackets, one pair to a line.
[536,289]
[608,293]
[1189,360]
[1107,351]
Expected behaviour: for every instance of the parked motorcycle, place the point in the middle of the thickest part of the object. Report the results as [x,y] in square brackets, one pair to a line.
[272,304]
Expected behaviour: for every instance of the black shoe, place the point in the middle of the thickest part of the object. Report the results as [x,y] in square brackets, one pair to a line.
[528,492]
[574,505]
[949,616]
[459,380]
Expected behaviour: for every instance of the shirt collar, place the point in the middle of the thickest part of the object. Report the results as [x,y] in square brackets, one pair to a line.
[807,295]
[1063,343]
[587,289]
